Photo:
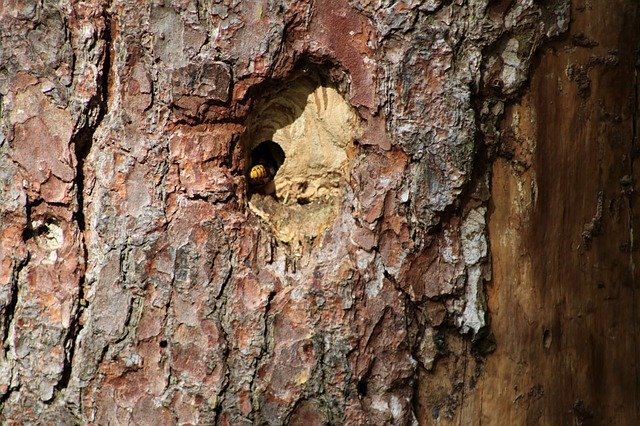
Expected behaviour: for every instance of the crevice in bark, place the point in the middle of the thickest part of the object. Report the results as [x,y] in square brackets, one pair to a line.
[226,280]
[188,122]
[320,367]
[225,382]
[83,139]
[28,232]
[9,314]
[220,314]
[82,142]
[264,349]
[362,385]
[483,343]
[5,397]
[463,383]
[10,308]
[165,342]
[212,199]
[128,323]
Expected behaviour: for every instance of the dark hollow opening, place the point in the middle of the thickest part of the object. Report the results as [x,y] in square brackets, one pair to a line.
[362,387]
[266,159]
[29,232]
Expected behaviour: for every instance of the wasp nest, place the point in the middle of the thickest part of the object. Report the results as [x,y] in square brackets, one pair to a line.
[300,138]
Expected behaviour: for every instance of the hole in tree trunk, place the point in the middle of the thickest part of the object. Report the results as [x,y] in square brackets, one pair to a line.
[299,140]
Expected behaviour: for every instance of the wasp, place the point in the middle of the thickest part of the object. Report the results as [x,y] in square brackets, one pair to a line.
[266,158]
[261,174]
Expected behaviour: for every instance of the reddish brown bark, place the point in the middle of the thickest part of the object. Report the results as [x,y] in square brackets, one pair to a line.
[143,279]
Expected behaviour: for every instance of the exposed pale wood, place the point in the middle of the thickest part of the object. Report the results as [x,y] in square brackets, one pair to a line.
[564,294]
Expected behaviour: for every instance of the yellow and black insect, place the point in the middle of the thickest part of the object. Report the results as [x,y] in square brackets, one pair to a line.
[261,174]
[266,159]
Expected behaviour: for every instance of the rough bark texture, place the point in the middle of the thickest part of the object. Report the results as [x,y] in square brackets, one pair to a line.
[143,281]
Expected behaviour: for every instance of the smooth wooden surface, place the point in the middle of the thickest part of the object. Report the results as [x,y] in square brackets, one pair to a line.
[564,294]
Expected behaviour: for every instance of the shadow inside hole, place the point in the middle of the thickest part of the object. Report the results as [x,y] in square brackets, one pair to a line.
[37,229]
[362,387]
[30,232]
[266,159]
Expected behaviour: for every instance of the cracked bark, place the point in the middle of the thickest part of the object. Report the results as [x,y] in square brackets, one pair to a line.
[142,280]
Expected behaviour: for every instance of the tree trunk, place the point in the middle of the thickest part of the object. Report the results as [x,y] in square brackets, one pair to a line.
[281,212]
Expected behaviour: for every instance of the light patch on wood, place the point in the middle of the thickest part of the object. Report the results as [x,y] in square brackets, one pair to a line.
[316,128]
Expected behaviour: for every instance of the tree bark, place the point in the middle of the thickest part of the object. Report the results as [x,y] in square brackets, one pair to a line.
[564,298]
[149,275]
